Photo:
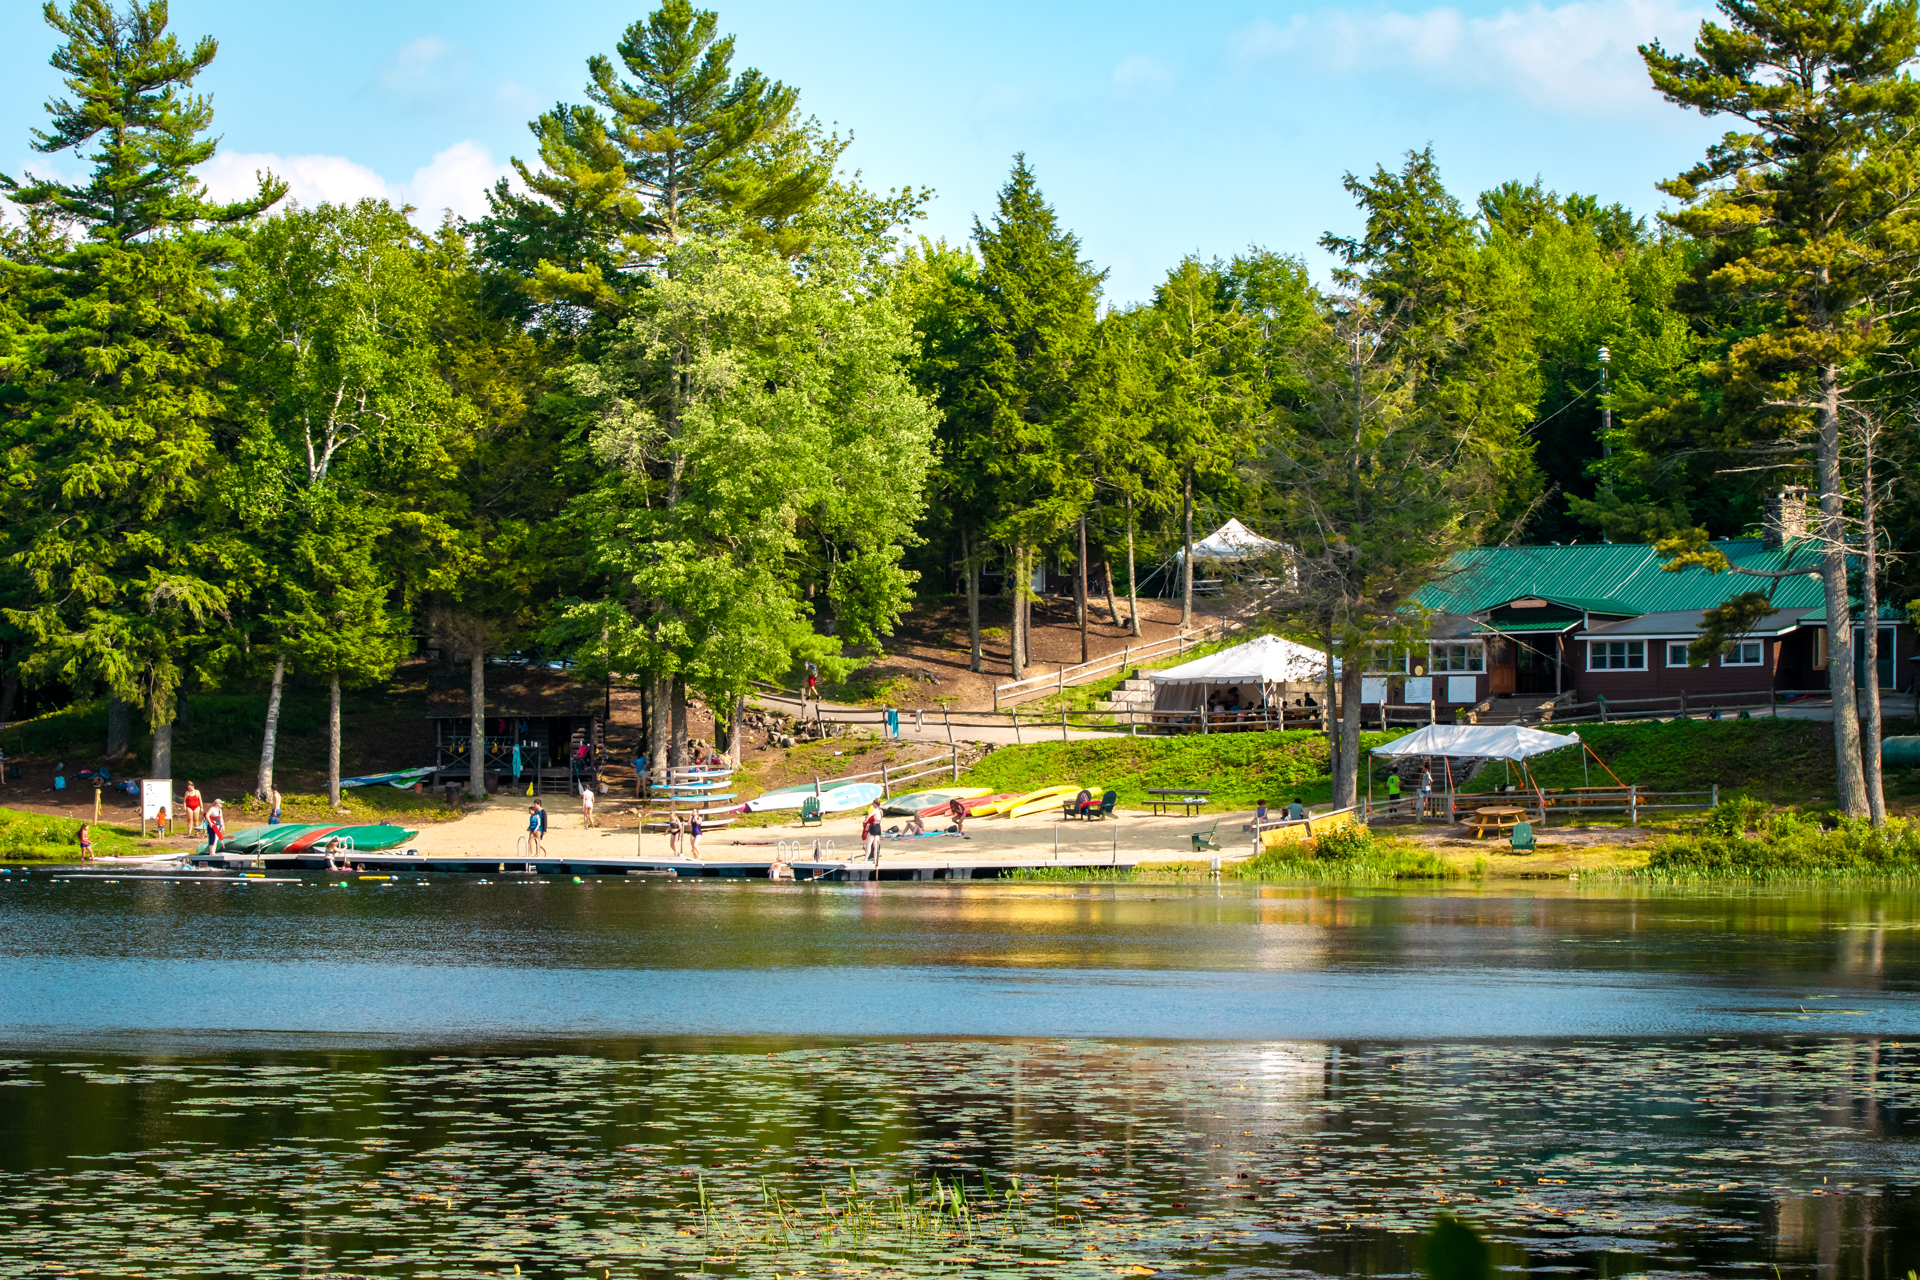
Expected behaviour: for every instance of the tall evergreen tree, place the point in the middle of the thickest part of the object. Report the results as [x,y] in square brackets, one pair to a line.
[1033,328]
[116,510]
[1812,209]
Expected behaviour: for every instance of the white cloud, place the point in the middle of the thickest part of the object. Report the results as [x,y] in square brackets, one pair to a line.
[1142,71]
[456,178]
[1579,58]
[423,72]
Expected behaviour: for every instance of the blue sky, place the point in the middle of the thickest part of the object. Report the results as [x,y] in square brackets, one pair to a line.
[1156,130]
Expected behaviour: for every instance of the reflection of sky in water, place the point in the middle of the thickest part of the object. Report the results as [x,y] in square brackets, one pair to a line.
[1672,1158]
[1273,1081]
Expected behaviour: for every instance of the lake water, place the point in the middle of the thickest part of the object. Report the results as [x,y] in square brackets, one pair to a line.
[446,1077]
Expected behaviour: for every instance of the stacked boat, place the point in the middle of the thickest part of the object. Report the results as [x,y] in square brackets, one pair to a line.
[303,837]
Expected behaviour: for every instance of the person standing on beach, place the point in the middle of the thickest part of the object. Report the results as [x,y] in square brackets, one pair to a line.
[192,802]
[870,831]
[86,842]
[693,828]
[586,806]
[273,806]
[639,777]
[673,834]
[534,831]
[216,822]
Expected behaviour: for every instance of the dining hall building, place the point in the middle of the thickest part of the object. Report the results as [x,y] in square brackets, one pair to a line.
[1589,620]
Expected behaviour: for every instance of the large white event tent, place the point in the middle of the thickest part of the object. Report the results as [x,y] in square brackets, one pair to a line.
[1253,668]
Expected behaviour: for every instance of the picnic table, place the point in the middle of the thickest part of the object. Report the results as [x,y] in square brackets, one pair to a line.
[1190,799]
[1497,817]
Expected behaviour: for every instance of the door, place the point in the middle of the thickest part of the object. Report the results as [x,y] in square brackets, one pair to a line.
[1883,662]
[1500,679]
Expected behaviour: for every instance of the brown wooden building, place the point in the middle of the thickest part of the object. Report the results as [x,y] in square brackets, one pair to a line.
[553,720]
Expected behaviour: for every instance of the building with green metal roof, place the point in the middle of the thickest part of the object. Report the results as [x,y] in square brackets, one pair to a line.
[1587,620]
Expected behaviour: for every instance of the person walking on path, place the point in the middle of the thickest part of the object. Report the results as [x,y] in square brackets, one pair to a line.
[273,806]
[192,802]
[1426,793]
[1393,793]
[813,684]
[586,806]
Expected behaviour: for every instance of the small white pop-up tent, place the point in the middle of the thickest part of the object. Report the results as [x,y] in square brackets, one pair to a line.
[1231,541]
[1253,668]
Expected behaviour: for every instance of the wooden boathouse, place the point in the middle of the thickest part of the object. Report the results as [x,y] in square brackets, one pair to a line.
[554,723]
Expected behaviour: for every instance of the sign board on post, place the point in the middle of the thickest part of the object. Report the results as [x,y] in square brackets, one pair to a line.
[156,801]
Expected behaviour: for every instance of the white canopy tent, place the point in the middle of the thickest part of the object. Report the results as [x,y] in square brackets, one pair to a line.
[1231,541]
[1478,741]
[1253,669]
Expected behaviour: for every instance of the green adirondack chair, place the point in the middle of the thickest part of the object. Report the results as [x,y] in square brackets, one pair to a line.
[810,811]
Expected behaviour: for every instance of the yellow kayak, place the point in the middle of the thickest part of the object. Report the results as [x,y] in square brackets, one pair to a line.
[1035,801]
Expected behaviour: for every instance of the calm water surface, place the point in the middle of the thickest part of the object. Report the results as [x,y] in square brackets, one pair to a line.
[453,1078]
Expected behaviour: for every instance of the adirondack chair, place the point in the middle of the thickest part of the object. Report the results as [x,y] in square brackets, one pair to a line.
[1107,801]
[810,811]
[1203,841]
[1522,837]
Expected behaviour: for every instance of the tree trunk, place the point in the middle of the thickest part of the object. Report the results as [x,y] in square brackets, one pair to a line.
[1186,574]
[162,751]
[477,727]
[1017,587]
[1870,643]
[1346,782]
[333,742]
[677,749]
[270,732]
[119,727]
[736,736]
[1133,584]
[1113,605]
[1331,693]
[660,729]
[1833,574]
[973,604]
[1080,589]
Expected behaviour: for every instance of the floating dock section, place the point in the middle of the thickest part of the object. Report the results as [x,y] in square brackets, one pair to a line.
[954,864]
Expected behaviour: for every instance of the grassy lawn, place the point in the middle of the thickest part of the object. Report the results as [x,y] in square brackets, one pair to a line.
[1238,768]
[1081,697]
[32,837]
[1783,762]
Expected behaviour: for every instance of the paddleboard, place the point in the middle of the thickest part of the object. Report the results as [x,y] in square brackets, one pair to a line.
[853,795]
[921,801]
[1035,801]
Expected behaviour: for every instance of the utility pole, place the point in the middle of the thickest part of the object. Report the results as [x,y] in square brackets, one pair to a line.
[1606,418]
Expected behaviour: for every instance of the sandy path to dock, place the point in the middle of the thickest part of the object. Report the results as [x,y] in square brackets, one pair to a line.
[494,830]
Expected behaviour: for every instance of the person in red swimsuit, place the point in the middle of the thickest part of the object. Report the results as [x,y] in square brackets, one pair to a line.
[192,802]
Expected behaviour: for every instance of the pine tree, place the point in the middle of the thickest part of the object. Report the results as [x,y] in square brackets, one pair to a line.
[1812,209]
[116,511]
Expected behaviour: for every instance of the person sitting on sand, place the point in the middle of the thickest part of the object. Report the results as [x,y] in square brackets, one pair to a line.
[1083,802]
[916,826]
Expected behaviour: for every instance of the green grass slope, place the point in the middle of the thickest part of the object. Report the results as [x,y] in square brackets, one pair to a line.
[1779,761]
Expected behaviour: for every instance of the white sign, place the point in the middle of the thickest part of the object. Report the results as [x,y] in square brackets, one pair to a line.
[156,799]
[1418,689]
[1373,689]
[1463,689]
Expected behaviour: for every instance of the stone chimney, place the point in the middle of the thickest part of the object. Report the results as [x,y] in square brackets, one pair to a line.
[1786,517]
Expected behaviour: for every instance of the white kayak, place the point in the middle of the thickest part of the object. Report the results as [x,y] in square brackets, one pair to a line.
[848,795]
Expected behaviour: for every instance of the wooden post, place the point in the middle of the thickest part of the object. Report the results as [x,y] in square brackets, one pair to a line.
[1433,712]
[1716,795]
[1016,726]
[956,754]
[1633,804]
[1063,724]
[1060,682]
[947,717]
[886,789]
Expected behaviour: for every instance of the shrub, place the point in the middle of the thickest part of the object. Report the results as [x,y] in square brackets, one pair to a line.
[1746,840]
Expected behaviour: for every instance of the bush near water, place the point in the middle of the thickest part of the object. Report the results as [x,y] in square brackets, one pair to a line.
[1745,838]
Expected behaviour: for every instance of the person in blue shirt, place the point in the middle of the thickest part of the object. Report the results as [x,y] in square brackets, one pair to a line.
[60,777]
[640,777]
[1296,811]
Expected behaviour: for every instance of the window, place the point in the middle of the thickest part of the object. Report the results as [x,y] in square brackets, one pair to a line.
[1744,653]
[1458,657]
[1676,655]
[1398,661]
[1616,655]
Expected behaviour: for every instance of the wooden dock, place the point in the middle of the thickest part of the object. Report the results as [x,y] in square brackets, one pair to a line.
[952,864]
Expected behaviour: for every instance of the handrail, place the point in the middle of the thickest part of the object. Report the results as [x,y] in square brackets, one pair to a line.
[1081,672]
